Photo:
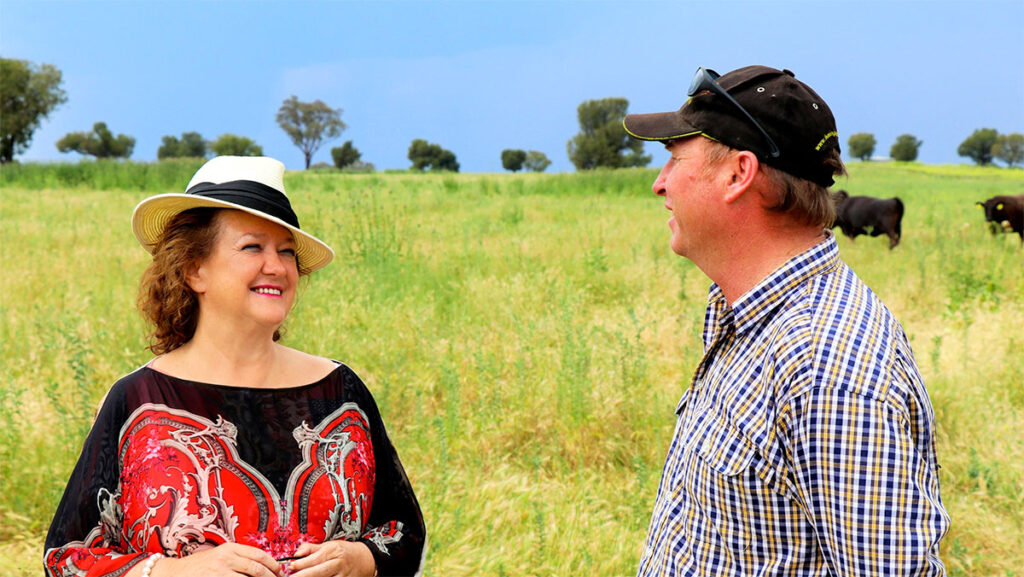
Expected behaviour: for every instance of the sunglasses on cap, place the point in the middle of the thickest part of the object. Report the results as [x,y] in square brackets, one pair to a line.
[705,80]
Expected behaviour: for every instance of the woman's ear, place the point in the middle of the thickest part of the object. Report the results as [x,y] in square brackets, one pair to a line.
[195,279]
[743,167]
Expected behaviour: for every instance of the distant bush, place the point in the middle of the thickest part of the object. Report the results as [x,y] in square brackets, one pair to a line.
[513,159]
[536,161]
[228,144]
[191,145]
[360,166]
[100,143]
[905,148]
[862,145]
[345,155]
[978,146]
[429,156]
[1009,148]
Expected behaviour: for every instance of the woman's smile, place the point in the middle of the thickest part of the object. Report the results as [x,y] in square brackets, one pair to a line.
[266,290]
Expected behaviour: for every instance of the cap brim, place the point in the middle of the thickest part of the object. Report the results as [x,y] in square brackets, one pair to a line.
[151,216]
[660,126]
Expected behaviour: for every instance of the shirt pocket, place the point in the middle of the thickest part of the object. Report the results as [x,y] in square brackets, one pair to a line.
[722,446]
[723,485]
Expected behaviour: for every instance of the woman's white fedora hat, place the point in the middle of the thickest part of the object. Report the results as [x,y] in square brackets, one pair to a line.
[254,184]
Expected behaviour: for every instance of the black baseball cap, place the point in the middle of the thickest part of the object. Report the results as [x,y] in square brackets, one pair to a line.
[789,126]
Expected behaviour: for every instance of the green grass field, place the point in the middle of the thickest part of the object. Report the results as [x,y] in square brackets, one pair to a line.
[527,337]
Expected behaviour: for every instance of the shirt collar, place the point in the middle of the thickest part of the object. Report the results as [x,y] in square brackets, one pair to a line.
[771,291]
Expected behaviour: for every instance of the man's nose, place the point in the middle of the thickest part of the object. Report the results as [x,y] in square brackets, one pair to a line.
[659,184]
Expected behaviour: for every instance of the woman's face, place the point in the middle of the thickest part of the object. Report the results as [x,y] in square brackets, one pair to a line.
[251,274]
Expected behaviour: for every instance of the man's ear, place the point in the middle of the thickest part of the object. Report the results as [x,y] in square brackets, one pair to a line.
[743,167]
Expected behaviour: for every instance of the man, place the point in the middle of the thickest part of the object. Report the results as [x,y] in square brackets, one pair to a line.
[805,444]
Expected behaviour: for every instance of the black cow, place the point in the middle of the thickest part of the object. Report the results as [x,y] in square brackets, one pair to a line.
[1005,213]
[866,215]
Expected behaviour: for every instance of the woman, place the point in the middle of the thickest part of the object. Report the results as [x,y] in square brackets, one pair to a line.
[230,453]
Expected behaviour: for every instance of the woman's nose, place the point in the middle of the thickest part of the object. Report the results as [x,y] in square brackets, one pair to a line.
[273,263]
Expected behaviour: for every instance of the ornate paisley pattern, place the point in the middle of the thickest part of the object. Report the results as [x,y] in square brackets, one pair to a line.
[186,487]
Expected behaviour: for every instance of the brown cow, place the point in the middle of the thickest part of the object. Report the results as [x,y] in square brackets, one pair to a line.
[866,215]
[1005,213]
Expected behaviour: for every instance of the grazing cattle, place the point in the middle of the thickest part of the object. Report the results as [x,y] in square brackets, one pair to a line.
[866,215]
[1005,213]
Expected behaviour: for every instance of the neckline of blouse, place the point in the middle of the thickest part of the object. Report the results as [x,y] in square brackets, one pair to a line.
[292,388]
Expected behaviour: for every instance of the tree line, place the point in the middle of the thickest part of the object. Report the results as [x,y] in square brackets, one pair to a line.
[983,146]
[31,92]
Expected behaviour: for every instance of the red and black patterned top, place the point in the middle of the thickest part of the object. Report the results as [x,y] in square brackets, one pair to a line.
[174,466]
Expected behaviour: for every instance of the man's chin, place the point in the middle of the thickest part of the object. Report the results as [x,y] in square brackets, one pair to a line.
[676,244]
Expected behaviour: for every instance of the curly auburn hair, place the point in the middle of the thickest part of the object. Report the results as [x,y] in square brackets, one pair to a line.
[165,298]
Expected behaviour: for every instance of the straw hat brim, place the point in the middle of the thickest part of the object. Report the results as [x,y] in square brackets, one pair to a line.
[150,218]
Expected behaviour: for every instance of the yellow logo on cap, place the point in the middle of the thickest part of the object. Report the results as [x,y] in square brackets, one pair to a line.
[826,137]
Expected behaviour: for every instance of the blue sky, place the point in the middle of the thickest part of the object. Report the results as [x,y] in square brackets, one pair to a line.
[479,77]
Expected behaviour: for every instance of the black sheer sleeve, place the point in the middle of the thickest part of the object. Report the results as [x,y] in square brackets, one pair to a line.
[84,536]
[395,531]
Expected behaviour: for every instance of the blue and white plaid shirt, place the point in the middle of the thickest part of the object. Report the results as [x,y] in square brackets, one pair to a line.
[805,444]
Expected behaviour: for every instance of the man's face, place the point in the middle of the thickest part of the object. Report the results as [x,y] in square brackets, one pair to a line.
[685,183]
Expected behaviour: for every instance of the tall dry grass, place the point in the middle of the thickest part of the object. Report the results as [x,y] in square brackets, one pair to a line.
[527,337]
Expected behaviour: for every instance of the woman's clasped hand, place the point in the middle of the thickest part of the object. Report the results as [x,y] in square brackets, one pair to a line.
[329,559]
[227,560]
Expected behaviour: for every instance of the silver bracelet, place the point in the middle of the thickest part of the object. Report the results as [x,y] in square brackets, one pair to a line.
[148,565]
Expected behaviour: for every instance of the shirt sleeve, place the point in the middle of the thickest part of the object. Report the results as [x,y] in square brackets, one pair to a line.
[395,531]
[866,484]
[85,534]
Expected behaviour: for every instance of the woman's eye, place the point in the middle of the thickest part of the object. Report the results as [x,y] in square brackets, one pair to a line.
[289,252]
[251,247]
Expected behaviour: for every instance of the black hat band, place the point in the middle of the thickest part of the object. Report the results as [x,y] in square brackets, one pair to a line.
[249,194]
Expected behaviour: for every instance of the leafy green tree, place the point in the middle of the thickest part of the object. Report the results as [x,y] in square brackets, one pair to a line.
[536,161]
[191,145]
[978,146]
[602,140]
[309,124]
[28,94]
[100,143]
[905,148]
[228,144]
[425,155]
[170,147]
[345,155]
[513,159]
[862,145]
[421,153]
[1009,148]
